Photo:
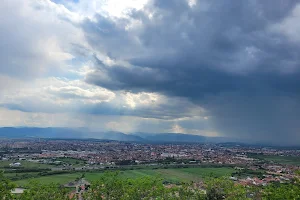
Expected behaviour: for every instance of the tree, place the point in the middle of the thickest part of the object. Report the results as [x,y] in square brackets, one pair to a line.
[111,185]
[281,191]
[5,187]
[37,191]
[223,188]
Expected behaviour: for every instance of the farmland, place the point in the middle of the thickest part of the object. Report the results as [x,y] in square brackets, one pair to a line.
[170,175]
[289,160]
[25,164]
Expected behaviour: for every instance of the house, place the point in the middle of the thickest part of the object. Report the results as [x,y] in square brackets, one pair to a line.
[17,191]
[78,183]
[16,164]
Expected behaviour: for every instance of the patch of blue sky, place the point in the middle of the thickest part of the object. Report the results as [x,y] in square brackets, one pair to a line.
[65,1]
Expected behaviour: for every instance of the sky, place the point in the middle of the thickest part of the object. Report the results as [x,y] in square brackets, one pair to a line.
[206,67]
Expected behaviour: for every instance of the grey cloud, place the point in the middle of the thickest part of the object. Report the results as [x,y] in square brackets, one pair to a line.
[108,35]
[32,38]
[72,92]
[18,54]
[65,96]
[222,56]
[36,37]
[169,110]
[126,78]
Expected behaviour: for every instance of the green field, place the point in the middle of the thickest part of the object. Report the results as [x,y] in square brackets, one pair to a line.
[25,164]
[11,175]
[71,161]
[290,160]
[172,175]
[57,179]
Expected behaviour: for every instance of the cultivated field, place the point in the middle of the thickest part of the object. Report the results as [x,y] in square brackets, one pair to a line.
[170,175]
[25,164]
[290,160]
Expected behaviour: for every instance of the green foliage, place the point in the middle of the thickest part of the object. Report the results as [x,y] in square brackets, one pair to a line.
[223,188]
[281,191]
[37,191]
[5,187]
[111,185]
[248,172]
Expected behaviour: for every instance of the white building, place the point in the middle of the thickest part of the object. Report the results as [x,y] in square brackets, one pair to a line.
[16,164]
[17,191]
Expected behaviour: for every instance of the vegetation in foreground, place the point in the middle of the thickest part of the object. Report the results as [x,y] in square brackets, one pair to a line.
[112,186]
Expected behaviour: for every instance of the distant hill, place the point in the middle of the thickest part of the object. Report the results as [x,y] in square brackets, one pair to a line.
[113,135]
[175,137]
[180,137]
[35,132]
[78,133]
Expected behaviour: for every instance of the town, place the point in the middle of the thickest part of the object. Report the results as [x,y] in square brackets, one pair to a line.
[251,165]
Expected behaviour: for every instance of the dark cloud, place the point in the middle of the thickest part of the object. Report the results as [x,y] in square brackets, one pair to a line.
[262,118]
[223,56]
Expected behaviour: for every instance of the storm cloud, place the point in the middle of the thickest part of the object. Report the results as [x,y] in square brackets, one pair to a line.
[210,67]
[233,59]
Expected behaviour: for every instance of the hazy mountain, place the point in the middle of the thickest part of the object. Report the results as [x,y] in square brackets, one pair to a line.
[27,132]
[180,137]
[143,135]
[33,132]
[175,137]
[113,135]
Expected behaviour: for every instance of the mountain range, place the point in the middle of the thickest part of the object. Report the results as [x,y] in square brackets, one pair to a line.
[81,133]
[36,132]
